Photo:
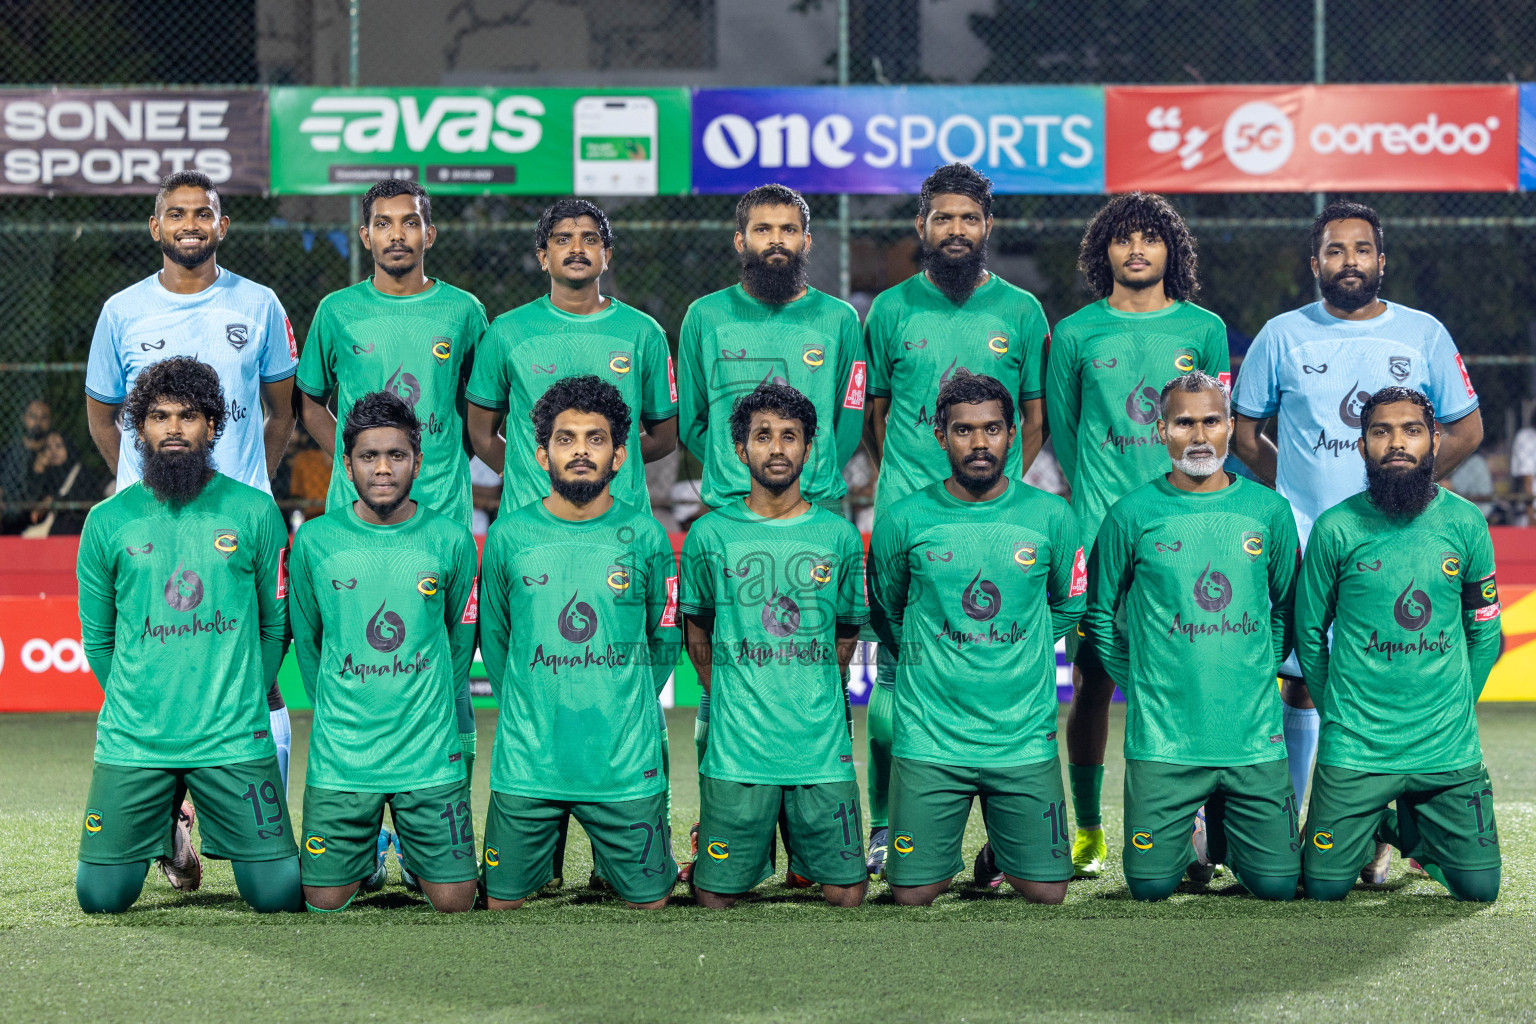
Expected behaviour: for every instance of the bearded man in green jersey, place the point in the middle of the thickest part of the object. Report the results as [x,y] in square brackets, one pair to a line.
[183,613]
[773,600]
[1108,362]
[579,635]
[1190,593]
[976,577]
[954,315]
[398,331]
[1404,575]
[574,330]
[384,630]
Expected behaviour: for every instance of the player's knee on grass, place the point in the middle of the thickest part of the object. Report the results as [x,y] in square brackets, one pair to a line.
[1153,889]
[845,895]
[1271,887]
[450,897]
[492,903]
[653,905]
[1473,886]
[716,900]
[270,886]
[1329,889]
[918,895]
[109,888]
[1050,893]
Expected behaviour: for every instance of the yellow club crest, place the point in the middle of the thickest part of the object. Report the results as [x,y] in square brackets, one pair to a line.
[1323,840]
[1184,362]
[1141,840]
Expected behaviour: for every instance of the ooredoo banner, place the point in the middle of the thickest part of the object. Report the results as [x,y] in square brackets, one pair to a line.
[880,139]
[123,141]
[1368,138]
[42,665]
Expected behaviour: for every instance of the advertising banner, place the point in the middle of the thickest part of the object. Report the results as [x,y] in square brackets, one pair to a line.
[42,665]
[1322,138]
[123,141]
[479,141]
[882,139]
[1528,138]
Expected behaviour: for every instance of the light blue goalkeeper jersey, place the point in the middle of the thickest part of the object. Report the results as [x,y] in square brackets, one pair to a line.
[234,325]
[1315,372]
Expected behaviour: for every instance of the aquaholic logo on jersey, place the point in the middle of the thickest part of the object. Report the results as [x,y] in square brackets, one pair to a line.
[1213,591]
[981,599]
[1141,403]
[923,417]
[1351,405]
[577,621]
[781,615]
[1024,554]
[238,335]
[1253,545]
[813,354]
[1412,608]
[1184,362]
[404,385]
[997,343]
[618,579]
[442,349]
[1450,564]
[184,590]
[619,362]
[226,542]
[426,584]
[386,630]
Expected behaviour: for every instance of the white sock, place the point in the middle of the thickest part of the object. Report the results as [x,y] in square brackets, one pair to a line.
[1301,747]
[282,735]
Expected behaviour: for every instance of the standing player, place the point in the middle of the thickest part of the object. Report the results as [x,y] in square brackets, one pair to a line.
[1200,568]
[1403,575]
[398,331]
[1108,363]
[575,330]
[579,636]
[184,618]
[384,631]
[193,307]
[772,587]
[978,576]
[955,315]
[1313,368]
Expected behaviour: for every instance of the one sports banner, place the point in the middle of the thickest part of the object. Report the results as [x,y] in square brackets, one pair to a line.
[882,139]
[1528,138]
[479,141]
[1316,138]
[123,141]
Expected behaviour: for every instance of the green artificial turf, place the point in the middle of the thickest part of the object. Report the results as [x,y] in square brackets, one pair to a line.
[1400,952]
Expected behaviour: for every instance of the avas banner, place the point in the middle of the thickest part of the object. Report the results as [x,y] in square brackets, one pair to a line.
[1316,138]
[880,139]
[1528,138]
[123,141]
[477,141]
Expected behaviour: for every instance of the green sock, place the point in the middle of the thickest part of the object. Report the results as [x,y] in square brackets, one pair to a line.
[666,772]
[1087,782]
[877,728]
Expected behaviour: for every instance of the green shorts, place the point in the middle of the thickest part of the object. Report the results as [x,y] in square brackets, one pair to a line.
[1250,813]
[822,826]
[1024,807]
[631,844]
[1443,818]
[242,814]
[341,832]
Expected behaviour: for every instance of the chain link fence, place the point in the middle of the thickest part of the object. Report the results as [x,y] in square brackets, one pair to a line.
[1470,259]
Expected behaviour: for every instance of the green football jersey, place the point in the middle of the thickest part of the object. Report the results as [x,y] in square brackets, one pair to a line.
[579,633]
[417,346]
[1415,614]
[778,589]
[976,593]
[533,346]
[917,340]
[184,617]
[1189,604]
[1102,380]
[384,632]
[731,343]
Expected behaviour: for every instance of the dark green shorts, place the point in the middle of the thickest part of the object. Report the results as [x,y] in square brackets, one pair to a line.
[241,812]
[631,844]
[341,831]
[1250,812]
[822,825]
[1024,807]
[1443,818]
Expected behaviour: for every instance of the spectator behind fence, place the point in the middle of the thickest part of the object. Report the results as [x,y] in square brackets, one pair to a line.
[1522,467]
[309,474]
[38,469]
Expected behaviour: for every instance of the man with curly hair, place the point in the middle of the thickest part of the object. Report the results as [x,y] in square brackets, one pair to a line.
[954,315]
[579,634]
[1108,364]
[183,613]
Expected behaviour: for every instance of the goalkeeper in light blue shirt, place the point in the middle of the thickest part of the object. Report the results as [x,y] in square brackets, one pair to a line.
[1312,369]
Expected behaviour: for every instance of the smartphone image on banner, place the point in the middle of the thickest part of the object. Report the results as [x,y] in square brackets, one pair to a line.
[615,146]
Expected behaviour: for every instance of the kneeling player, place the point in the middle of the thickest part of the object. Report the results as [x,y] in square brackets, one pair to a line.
[1404,574]
[977,576]
[184,618]
[1191,585]
[383,624]
[772,592]
[579,636]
